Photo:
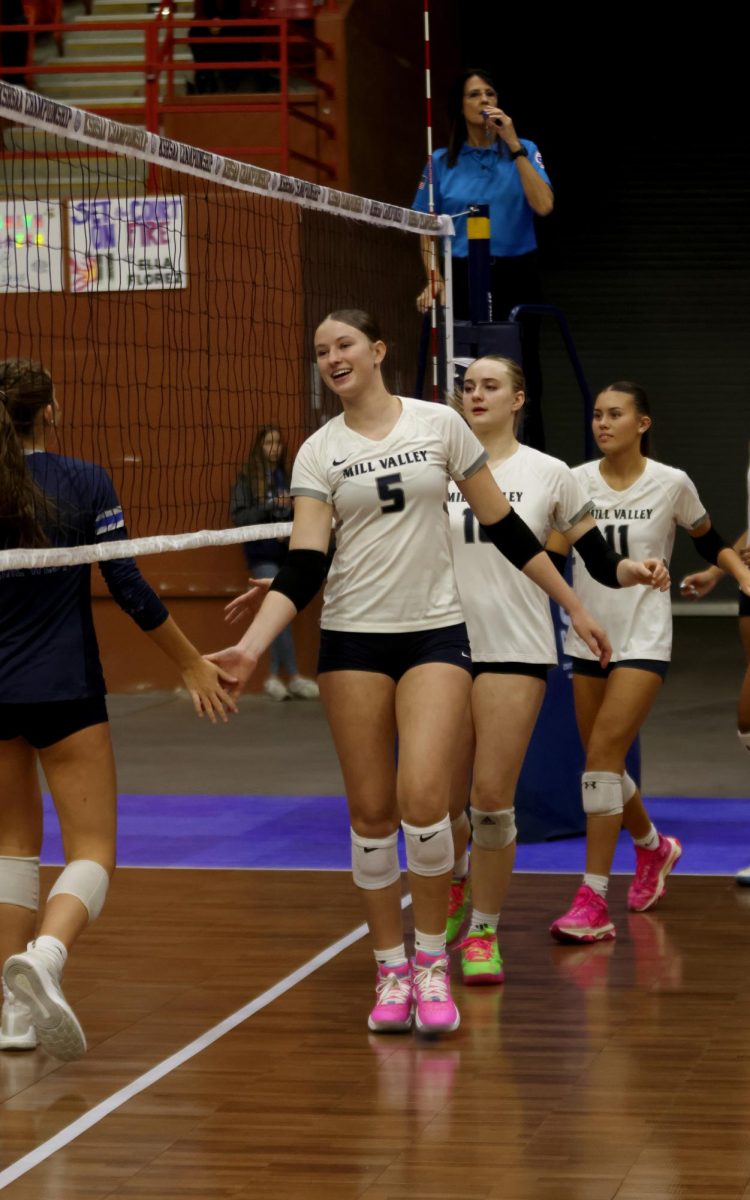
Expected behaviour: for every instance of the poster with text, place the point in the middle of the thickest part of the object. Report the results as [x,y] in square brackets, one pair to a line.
[128,244]
[30,246]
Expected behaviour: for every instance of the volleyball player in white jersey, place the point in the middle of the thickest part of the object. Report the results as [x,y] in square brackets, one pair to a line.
[638,504]
[394,656]
[512,647]
[695,587]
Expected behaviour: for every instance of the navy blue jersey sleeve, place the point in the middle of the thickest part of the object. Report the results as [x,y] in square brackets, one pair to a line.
[126,584]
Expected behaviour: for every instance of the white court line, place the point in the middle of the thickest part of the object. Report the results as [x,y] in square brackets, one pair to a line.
[67,1135]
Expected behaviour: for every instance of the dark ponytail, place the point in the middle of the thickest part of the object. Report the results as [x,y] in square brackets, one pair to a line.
[25,389]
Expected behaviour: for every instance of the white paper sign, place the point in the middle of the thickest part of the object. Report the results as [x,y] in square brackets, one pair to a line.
[30,246]
[128,244]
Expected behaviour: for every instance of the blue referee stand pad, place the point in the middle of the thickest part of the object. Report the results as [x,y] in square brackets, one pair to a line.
[548,795]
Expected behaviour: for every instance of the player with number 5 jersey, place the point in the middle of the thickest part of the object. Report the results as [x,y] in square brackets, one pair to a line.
[394,654]
[638,504]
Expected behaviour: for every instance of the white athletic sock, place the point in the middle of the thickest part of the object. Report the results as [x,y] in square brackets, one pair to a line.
[744,738]
[481,919]
[52,952]
[430,943]
[598,884]
[650,841]
[395,957]
[461,865]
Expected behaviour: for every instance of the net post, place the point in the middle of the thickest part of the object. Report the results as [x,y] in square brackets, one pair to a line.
[450,370]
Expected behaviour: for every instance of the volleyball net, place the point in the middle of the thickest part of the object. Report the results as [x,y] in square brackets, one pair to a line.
[173,294]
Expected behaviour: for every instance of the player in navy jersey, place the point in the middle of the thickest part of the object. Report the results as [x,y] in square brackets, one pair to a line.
[695,587]
[394,657]
[638,504]
[52,706]
[512,648]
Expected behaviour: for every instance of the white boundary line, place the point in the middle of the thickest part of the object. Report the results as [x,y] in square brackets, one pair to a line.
[69,1134]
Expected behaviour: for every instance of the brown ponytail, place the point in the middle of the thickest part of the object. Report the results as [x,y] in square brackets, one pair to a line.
[25,389]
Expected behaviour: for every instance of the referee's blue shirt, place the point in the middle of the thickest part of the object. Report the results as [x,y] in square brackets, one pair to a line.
[484,175]
[48,647]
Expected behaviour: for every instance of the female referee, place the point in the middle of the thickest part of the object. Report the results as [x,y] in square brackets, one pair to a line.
[394,655]
[52,706]
[638,504]
[512,647]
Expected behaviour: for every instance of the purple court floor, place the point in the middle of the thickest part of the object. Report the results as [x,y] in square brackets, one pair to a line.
[312,833]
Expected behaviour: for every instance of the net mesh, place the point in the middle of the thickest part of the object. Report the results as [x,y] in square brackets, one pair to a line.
[172,294]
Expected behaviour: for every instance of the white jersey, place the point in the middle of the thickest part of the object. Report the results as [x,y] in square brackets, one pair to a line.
[508,616]
[638,523]
[393,569]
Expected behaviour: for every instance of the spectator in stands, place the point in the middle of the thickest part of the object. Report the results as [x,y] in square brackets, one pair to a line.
[231,78]
[13,46]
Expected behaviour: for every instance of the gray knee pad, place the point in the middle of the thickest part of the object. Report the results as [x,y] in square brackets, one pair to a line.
[87,881]
[744,738]
[629,787]
[19,881]
[375,861]
[601,792]
[429,848]
[493,830]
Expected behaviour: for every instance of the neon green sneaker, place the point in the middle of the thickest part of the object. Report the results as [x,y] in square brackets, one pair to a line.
[458,900]
[481,961]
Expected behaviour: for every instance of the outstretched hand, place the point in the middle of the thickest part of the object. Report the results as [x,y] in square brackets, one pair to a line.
[211,689]
[245,607]
[236,666]
[698,585]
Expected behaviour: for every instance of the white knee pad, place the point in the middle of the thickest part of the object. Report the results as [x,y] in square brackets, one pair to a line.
[629,787]
[375,861]
[87,881]
[602,793]
[429,848]
[744,738]
[19,881]
[493,830]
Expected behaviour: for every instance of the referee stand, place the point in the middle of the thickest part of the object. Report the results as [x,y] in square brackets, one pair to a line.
[548,795]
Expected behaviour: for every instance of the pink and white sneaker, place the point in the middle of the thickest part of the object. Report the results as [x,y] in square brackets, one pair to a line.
[393,1012]
[436,1011]
[651,870]
[587,919]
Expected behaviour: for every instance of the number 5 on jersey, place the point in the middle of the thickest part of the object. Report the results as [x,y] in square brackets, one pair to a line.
[392,497]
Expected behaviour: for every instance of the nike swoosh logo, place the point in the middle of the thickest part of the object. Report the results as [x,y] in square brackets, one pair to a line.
[463,655]
[338,461]
[426,838]
[370,849]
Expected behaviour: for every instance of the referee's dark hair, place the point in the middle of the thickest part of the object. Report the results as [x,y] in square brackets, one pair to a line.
[641,404]
[458,132]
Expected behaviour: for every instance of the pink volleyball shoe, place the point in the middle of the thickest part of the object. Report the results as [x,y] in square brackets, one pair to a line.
[436,1011]
[651,870]
[587,919]
[393,1011]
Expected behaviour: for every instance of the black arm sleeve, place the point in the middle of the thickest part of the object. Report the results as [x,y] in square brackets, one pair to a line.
[600,559]
[301,576]
[710,545]
[513,538]
[559,560]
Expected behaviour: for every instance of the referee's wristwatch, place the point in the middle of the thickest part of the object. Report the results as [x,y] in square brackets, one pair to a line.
[521,152]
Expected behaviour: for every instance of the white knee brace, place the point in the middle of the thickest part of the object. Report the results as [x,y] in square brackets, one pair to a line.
[629,787]
[87,881]
[429,848]
[493,830]
[19,881]
[601,792]
[744,738]
[375,861]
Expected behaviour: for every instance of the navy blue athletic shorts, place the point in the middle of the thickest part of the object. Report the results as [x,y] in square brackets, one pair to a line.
[42,725]
[744,605]
[590,667]
[535,670]
[393,653]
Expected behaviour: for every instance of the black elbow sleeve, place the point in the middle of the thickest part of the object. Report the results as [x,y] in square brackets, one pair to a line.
[559,560]
[513,538]
[600,559]
[710,545]
[301,576]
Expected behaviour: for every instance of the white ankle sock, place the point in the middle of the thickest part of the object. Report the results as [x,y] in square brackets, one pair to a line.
[480,919]
[744,738]
[52,952]
[395,957]
[430,943]
[461,866]
[598,884]
[650,841]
